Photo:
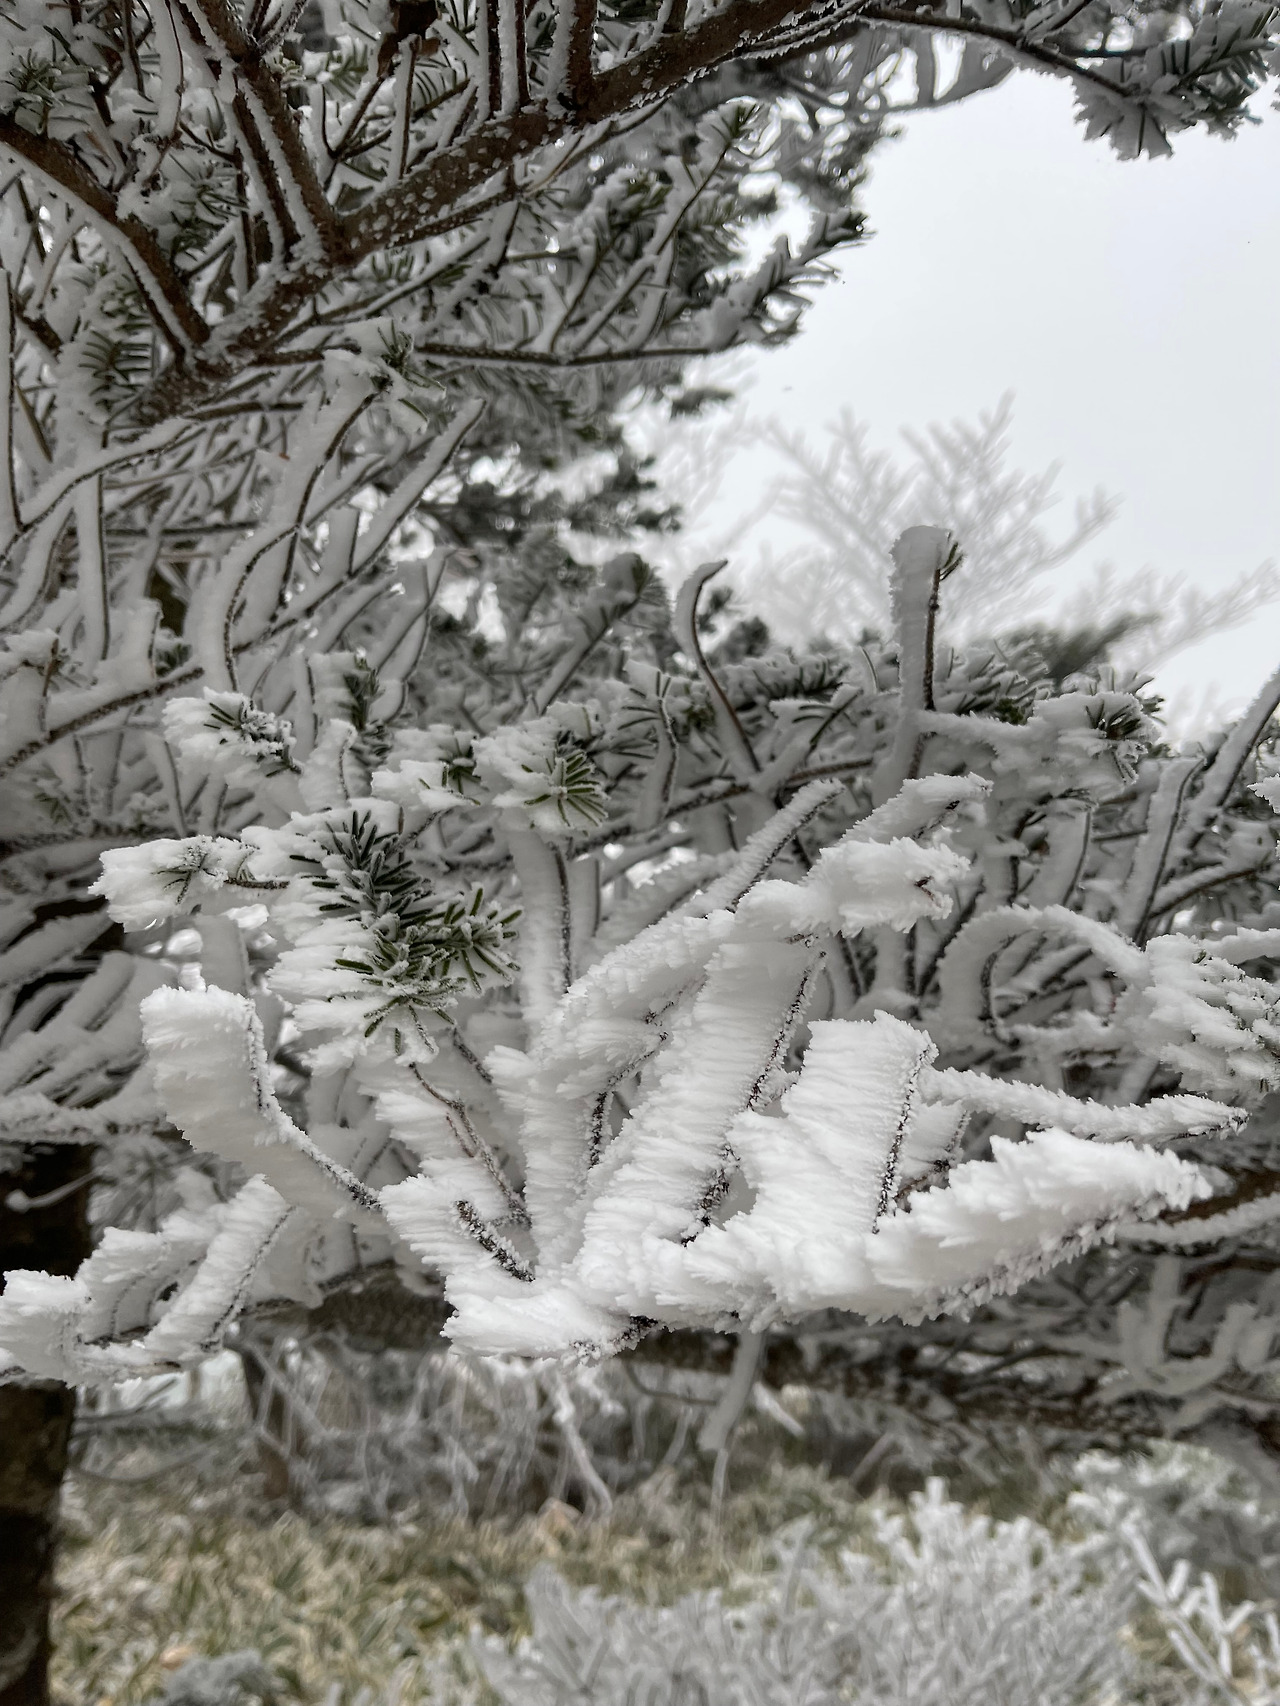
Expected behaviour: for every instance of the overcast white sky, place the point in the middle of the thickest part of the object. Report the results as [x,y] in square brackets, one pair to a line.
[1131,307]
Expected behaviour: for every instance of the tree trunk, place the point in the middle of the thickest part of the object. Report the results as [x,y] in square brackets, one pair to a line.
[35,1420]
[275,1427]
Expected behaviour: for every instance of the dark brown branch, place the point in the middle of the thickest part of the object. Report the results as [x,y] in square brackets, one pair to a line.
[1251,1187]
[162,287]
[374,1311]
[261,87]
[573,72]
[410,210]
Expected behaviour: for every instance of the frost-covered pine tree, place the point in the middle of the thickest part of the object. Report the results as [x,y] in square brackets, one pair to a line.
[297,299]
[598,1105]
[847,498]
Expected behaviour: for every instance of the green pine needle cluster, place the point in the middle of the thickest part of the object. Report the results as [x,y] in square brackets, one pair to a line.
[450,949]
[372,876]
[573,788]
[266,736]
[422,950]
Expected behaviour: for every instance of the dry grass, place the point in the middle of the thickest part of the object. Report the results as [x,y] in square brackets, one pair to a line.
[162,1569]
[193,1562]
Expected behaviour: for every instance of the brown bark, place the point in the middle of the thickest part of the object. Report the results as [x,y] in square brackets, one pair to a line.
[410,209]
[35,1420]
[274,1427]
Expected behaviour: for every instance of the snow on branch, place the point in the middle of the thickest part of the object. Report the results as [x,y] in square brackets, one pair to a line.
[564,940]
[606,1057]
[643,1226]
[165,879]
[143,1303]
[213,1079]
[1164,1117]
[996,1224]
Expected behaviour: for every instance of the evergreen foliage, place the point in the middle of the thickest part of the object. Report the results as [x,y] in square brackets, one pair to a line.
[1073,959]
[315,326]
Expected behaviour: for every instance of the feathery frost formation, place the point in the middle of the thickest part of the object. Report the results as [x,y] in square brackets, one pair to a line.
[320,325]
[608,967]
[594,1098]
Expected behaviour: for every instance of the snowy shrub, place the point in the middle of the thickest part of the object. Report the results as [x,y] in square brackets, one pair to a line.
[1193,1507]
[947,1607]
[235,1679]
[961,1612]
[870,1601]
